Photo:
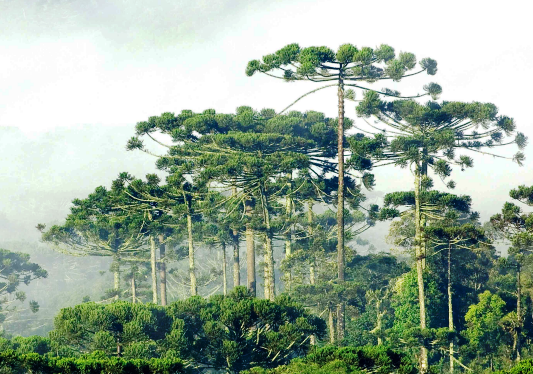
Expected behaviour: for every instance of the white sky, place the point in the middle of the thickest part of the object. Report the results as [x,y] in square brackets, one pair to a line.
[77,75]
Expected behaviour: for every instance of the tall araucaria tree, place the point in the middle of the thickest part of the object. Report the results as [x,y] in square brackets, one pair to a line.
[427,137]
[347,67]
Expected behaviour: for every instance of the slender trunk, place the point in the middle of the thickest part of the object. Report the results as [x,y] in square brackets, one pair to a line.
[379,321]
[310,233]
[331,326]
[192,267]
[162,270]
[236,254]
[518,312]
[420,270]
[340,203]
[224,272]
[423,221]
[133,288]
[119,348]
[341,315]
[154,274]
[288,242]
[340,208]
[270,281]
[116,277]
[450,306]
[236,260]
[250,251]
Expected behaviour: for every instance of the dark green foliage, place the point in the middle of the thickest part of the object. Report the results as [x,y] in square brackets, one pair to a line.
[238,331]
[12,362]
[120,328]
[348,360]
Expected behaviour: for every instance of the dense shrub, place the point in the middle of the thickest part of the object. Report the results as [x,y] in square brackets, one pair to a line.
[14,363]
[347,360]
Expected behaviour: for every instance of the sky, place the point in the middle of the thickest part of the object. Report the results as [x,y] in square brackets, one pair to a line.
[77,75]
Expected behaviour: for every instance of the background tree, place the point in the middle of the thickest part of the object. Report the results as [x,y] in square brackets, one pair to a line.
[16,269]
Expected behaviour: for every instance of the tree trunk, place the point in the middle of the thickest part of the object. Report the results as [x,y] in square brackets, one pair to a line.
[236,254]
[270,281]
[379,320]
[153,266]
[331,326]
[288,242]
[236,260]
[250,251]
[192,266]
[116,277]
[310,233]
[518,312]
[450,306]
[340,208]
[341,313]
[420,270]
[162,270]
[224,272]
[119,348]
[133,288]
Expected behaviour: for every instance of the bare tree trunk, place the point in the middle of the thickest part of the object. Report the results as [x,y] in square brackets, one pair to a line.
[224,272]
[192,266]
[331,326]
[310,233]
[236,254]
[119,348]
[340,209]
[379,320]
[518,312]
[133,288]
[270,281]
[250,252]
[420,271]
[153,266]
[288,243]
[236,260]
[162,270]
[450,306]
[116,277]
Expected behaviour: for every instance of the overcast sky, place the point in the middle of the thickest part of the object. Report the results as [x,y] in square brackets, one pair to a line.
[76,75]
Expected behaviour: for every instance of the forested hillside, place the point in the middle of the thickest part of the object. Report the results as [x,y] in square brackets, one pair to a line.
[248,250]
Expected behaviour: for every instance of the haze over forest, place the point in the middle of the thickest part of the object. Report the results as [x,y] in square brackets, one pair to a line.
[78,75]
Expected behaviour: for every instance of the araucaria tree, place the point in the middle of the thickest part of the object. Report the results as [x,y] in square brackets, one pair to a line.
[348,67]
[15,269]
[427,137]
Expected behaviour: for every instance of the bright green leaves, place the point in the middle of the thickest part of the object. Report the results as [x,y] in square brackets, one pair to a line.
[523,194]
[345,54]
[370,105]
[483,321]
[384,53]
[312,58]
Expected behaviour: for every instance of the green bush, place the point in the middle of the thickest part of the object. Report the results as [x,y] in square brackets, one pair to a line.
[347,360]
[14,363]
[524,367]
